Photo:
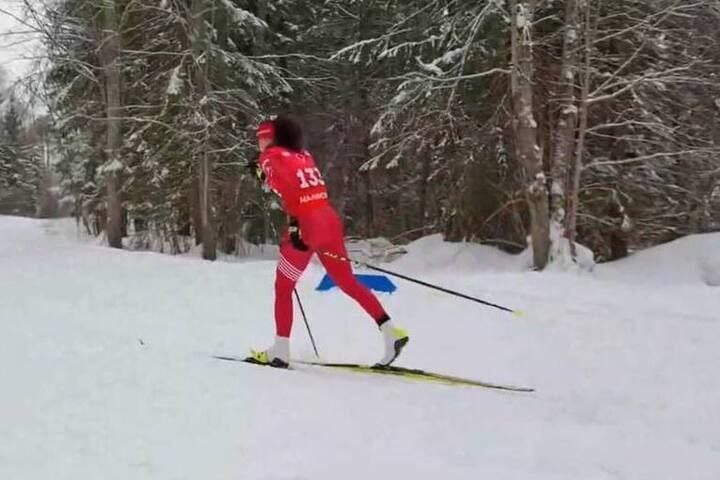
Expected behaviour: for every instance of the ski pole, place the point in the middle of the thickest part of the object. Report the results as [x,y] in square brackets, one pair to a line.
[307,325]
[517,313]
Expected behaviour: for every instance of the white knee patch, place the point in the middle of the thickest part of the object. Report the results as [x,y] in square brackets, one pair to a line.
[288,269]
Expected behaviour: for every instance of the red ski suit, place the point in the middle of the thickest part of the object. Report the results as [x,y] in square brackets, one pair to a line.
[294,177]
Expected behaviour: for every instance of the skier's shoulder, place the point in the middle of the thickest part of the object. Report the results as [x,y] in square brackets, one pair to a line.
[275,153]
[305,157]
[272,159]
[278,156]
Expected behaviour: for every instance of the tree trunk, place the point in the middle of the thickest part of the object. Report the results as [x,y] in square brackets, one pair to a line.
[423,194]
[370,211]
[200,50]
[261,12]
[226,219]
[194,205]
[525,128]
[228,223]
[184,220]
[338,164]
[206,215]
[573,198]
[110,57]
[564,133]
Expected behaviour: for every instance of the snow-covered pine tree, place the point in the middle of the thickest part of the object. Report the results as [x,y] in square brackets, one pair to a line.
[410,110]
[603,76]
[187,103]
[20,168]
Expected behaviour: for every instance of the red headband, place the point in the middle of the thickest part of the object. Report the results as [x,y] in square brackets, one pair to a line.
[265,130]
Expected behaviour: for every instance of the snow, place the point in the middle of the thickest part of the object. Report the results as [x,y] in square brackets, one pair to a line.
[114,166]
[378,128]
[570,109]
[106,371]
[244,17]
[452,55]
[175,84]
[394,163]
[561,258]
[374,250]
[522,19]
[430,68]
[402,96]
[572,34]
[431,253]
[557,189]
[689,261]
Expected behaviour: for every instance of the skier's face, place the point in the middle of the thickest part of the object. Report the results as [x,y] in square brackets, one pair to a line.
[263,143]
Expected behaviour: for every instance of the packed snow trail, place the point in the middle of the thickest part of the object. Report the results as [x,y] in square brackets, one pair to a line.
[106,372]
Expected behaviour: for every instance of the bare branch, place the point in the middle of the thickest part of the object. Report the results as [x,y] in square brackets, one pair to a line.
[653,156]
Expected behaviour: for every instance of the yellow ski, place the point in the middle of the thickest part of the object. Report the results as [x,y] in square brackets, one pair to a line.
[416,374]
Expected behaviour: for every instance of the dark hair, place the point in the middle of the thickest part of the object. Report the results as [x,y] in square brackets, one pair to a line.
[288,133]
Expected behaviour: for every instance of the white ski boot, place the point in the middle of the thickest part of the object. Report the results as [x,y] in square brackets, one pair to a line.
[277,356]
[395,339]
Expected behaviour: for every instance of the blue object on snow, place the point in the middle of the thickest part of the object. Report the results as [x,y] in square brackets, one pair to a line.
[379,283]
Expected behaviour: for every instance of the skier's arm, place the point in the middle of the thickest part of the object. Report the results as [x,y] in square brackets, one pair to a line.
[270,173]
[253,168]
[296,235]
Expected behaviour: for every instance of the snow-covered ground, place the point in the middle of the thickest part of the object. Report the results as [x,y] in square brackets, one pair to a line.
[105,369]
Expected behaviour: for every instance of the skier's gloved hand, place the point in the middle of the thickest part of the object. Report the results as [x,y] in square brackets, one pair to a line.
[254,169]
[295,236]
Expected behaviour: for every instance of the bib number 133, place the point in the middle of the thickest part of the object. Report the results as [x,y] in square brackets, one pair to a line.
[309,177]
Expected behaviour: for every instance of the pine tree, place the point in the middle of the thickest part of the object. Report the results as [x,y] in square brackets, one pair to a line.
[494,121]
[19,167]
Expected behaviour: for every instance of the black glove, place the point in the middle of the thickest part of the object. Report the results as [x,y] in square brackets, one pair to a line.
[254,169]
[295,237]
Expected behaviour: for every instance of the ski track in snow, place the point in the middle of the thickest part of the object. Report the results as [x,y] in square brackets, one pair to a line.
[106,373]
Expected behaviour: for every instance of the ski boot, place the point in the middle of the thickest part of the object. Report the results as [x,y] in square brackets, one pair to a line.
[395,339]
[277,356]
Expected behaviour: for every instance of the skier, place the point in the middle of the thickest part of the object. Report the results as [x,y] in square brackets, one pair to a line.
[314,227]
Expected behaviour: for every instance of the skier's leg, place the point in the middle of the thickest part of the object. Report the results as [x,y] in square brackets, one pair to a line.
[341,273]
[290,266]
[325,234]
[394,337]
